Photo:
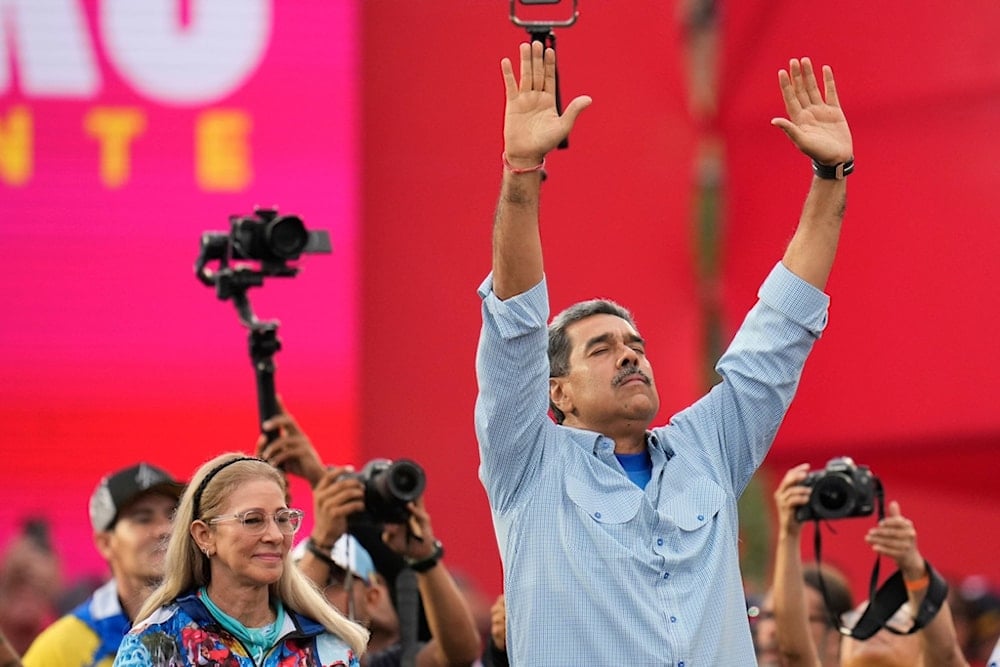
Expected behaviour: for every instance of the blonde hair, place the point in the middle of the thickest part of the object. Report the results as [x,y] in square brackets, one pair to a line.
[187,568]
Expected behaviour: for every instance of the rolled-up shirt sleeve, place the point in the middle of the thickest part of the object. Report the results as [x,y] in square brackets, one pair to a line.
[739,418]
[512,370]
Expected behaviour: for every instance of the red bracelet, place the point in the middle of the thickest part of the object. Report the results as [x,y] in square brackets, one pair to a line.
[514,170]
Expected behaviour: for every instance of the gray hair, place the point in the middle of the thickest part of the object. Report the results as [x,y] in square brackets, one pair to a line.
[559,343]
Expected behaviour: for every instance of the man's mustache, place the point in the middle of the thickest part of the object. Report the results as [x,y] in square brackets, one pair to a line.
[626,373]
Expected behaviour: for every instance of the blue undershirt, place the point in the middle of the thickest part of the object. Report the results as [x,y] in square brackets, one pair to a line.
[638,467]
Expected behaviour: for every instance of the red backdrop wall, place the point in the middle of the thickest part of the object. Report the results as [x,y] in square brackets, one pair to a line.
[906,377]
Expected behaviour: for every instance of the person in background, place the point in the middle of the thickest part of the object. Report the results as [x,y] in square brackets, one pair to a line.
[618,540]
[350,582]
[29,585]
[353,585]
[933,645]
[230,593]
[338,496]
[131,511]
[454,640]
[975,609]
[824,624]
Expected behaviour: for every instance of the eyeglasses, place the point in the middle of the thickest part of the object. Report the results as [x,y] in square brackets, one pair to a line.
[255,521]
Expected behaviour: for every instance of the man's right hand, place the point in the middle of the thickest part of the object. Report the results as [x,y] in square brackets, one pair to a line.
[532,126]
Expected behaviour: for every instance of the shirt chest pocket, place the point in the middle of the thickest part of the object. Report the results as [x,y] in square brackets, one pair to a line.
[605,505]
[695,512]
[603,519]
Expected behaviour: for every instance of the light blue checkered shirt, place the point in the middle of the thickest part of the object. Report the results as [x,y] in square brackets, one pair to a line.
[596,570]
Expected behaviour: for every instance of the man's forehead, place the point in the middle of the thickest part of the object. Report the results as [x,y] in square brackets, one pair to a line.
[600,324]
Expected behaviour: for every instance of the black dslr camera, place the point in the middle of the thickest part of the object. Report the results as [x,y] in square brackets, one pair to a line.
[389,486]
[839,491]
[267,240]
[273,238]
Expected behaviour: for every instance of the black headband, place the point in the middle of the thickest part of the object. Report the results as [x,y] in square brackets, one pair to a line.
[196,502]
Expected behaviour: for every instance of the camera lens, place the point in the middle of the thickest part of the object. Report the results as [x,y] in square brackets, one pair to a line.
[406,480]
[832,497]
[286,236]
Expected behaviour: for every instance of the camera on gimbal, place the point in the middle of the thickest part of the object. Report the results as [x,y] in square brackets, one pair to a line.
[839,491]
[257,246]
[389,487]
[265,237]
[270,237]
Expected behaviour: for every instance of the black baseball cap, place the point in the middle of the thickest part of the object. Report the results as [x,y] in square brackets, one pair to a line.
[118,489]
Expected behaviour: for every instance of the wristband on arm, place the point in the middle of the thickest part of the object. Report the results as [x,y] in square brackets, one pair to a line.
[424,564]
[834,172]
[516,170]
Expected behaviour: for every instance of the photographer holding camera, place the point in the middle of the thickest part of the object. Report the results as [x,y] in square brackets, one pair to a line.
[896,644]
[344,502]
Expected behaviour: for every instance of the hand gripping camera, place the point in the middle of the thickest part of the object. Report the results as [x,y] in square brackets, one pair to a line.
[389,486]
[839,491]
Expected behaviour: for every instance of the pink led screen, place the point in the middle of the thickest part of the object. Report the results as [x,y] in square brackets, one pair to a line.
[126,130]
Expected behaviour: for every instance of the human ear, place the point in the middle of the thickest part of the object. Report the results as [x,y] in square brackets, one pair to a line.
[102,542]
[202,536]
[561,395]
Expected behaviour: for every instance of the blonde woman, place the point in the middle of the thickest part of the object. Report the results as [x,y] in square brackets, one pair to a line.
[231,596]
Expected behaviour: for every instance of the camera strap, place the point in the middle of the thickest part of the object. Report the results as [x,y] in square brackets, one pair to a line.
[891,596]
[408,602]
[884,601]
[872,583]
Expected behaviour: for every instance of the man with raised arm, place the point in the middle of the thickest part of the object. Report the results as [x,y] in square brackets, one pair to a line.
[618,540]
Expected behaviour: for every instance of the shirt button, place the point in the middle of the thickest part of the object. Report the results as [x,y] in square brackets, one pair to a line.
[680,664]
[659,541]
[597,515]
[666,575]
[673,619]
[701,517]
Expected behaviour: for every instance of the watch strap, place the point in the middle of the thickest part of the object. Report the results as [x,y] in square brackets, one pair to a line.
[834,172]
[424,564]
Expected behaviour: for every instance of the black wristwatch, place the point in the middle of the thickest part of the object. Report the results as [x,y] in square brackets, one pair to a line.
[321,552]
[424,564]
[834,172]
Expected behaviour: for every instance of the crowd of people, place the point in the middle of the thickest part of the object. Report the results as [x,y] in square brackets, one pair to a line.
[211,596]
[618,538]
